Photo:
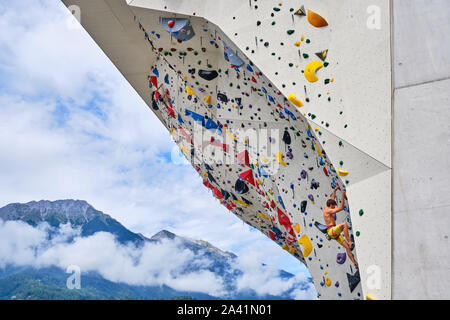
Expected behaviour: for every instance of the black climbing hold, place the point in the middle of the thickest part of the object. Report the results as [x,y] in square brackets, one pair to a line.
[287,137]
[208,75]
[303,206]
[353,280]
[301,11]
[322,228]
[322,55]
[222,97]
[241,187]
[225,194]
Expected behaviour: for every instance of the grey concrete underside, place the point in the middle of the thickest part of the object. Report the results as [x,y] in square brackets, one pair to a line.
[421,157]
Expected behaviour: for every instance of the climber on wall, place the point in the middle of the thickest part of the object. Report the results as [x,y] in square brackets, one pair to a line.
[335,231]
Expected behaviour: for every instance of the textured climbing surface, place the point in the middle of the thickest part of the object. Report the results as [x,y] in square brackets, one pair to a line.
[247,128]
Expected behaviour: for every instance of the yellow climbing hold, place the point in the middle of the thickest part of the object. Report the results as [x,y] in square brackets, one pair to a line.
[184,150]
[370,297]
[342,173]
[230,135]
[293,98]
[307,245]
[298,43]
[328,282]
[174,134]
[280,159]
[242,203]
[318,150]
[264,159]
[207,99]
[189,91]
[285,247]
[263,216]
[292,250]
[296,227]
[316,19]
[311,69]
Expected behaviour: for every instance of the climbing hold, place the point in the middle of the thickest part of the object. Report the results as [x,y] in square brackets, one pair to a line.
[342,173]
[189,91]
[171,24]
[311,69]
[208,75]
[341,257]
[307,245]
[207,99]
[296,228]
[248,176]
[287,138]
[370,297]
[289,32]
[316,20]
[280,159]
[328,282]
[241,187]
[263,216]
[353,280]
[222,97]
[361,212]
[301,11]
[322,228]
[298,43]
[243,158]
[303,206]
[295,101]
[322,55]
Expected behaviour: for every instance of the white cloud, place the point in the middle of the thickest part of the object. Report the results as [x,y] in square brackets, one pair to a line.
[163,263]
[71,127]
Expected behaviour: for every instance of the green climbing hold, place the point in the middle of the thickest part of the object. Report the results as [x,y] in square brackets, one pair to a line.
[289,32]
[358,233]
[361,212]
[341,163]
[276,9]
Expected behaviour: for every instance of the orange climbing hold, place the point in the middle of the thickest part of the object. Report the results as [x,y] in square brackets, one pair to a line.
[316,19]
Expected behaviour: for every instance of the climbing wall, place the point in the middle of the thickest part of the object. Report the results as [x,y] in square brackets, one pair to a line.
[258,101]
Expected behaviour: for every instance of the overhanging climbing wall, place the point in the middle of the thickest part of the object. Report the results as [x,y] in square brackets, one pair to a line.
[275,105]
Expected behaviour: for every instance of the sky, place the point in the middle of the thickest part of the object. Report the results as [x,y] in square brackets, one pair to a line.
[71,127]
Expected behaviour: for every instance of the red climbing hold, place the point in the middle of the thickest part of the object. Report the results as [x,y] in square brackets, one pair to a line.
[273,236]
[285,222]
[326,172]
[243,158]
[254,80]
[272,204]
[171,24]
[248,176]
[154,81]
[218,193]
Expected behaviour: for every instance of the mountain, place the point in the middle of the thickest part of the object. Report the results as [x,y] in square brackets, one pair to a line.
[27,283]
[77,213]
[50,282]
